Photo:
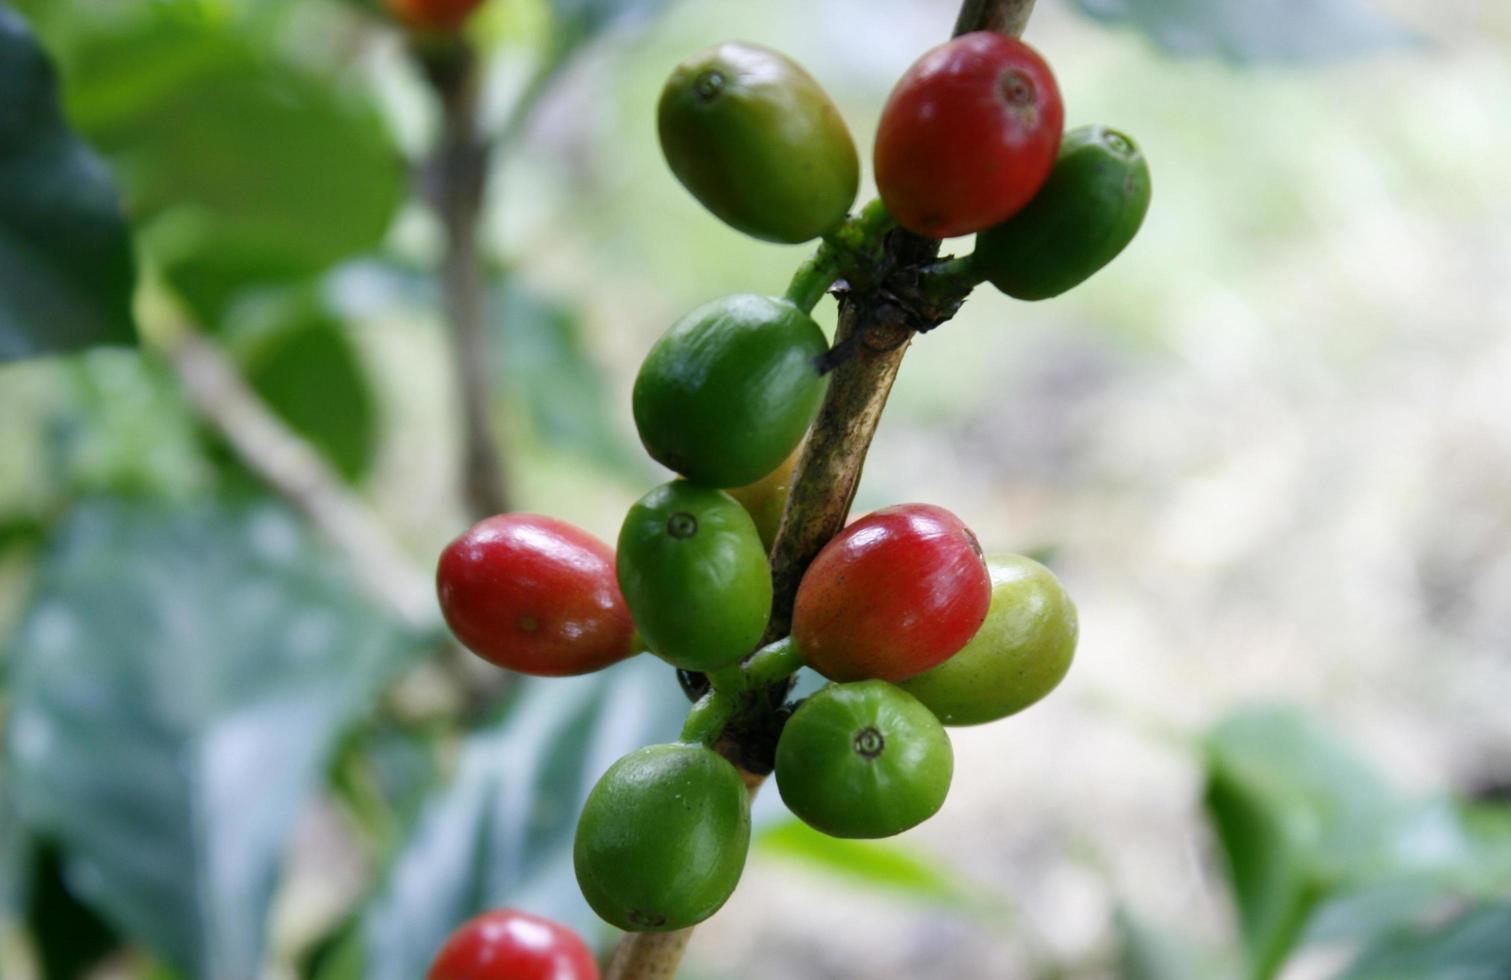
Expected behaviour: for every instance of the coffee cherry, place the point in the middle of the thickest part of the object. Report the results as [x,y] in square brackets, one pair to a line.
[968,136]
[759,143]
[863,760]
[534,594]
[1019,655]
[1086,213]
[506,944]
[662,839]
[765,499]
[893,594]
[729,390]
[695,575]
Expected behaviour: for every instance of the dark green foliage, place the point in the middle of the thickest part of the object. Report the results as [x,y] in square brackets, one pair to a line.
[66,270]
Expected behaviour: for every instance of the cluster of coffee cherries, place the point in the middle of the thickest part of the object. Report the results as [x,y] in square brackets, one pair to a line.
[913,626]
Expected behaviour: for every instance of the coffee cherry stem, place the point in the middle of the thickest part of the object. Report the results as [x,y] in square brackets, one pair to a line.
[772,663]
[846,251]
[706,720]
[949,281]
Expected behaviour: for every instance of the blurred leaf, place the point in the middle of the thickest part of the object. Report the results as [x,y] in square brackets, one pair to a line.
[239,167]
[298,357]
[1244,31]
[1146,952]
[890,865]
[1310,830]
[549,371]
[1293,810]
[1439,850]
[1486,829]
[179,683]
[123,427]
[501,831]
[68,935]
[21,531]
[339,957]
[1475,945]
[15,855]
[384,774]
[66,271]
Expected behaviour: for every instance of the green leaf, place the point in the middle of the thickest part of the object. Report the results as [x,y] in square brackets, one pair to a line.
[501,831]
[1475,945]
[179,683]
[15,856]
[886,865]
[1317,844]
[1295,813]
[300,359]
[241,167]
[122,426]
[1243,31]
[549,372]
[1438,851]
[66,270]
[69,936]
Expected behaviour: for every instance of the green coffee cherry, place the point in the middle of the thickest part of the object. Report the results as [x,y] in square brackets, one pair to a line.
[662,839]
[1019,655]
[727,393]
[759,143]
[694,575]
[1085,214]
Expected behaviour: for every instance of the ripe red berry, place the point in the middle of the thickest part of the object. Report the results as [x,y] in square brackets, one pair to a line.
[892,595]
[433,15]
[509,945]
[535,595]
[968,136]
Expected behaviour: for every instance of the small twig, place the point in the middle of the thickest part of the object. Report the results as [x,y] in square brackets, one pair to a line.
[456,178]
[292,468]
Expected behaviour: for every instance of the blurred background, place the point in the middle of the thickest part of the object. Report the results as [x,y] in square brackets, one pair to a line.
[1268,451]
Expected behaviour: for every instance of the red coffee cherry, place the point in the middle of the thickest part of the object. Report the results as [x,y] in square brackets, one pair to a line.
[892,595]
[536,595]
[968,136]
[508,945]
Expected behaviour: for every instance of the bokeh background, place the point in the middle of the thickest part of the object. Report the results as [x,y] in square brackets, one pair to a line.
[1268,451]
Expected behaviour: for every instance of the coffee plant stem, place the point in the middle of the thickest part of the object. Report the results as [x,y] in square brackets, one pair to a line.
[456,178]
[829,468]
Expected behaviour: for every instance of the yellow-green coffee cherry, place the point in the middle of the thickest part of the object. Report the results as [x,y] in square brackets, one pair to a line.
[1019,655]
[759,143]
